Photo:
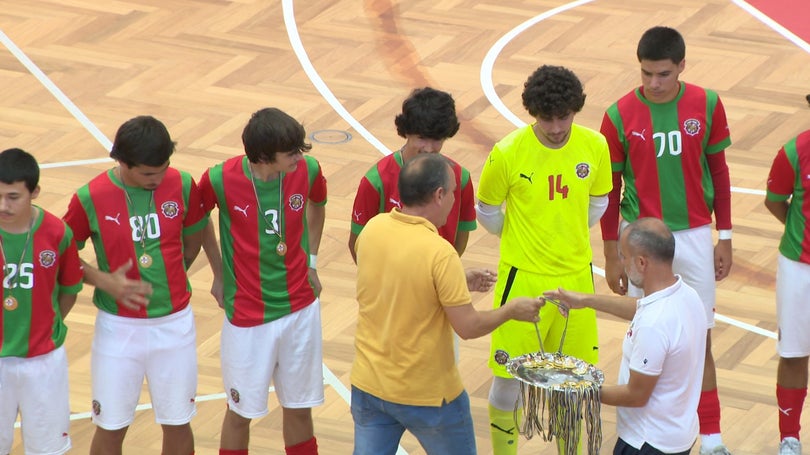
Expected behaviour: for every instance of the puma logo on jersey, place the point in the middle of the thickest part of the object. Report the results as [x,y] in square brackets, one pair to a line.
[641,134]
[395,202]
[357,215]
[240,209]
[527,177]
[785,411]
[114,219]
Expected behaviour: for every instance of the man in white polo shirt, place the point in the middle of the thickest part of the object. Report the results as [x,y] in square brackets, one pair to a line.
[663,352]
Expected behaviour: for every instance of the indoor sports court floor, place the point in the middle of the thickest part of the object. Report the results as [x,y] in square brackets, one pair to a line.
[71,71]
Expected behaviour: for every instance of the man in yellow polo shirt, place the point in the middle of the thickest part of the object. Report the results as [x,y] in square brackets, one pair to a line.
[412,293]
[553,177]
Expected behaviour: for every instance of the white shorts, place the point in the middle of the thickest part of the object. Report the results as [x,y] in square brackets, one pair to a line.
[38,387]
[127,350]
[694,262]
[792,315]
[288,350]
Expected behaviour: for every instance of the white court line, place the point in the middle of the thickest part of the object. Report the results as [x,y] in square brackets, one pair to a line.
[776,26]
[488,86]
[55,91]
[320,85]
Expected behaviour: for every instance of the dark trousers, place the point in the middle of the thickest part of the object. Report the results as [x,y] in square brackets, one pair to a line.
[623,448]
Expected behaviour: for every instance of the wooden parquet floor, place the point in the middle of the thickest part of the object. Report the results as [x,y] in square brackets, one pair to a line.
[202,66]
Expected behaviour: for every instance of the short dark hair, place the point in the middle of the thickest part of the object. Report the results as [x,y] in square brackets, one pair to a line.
[421,177]
[553,91]
[270,131]
[17,165]
[429,113]
[142,141]
[661,43]
[652,237]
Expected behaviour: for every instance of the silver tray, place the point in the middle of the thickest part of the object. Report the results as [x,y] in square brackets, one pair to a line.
[554,371]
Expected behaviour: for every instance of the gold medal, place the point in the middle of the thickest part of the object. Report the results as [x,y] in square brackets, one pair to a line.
[281,249]
[10,303]
[145,261]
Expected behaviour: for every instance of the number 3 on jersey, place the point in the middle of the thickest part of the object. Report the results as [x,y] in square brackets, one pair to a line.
[555,187]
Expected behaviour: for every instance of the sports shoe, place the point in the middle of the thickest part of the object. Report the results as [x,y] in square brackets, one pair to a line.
[717,450]
[790,446]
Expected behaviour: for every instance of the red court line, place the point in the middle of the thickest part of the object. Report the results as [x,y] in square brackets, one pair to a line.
[794,15]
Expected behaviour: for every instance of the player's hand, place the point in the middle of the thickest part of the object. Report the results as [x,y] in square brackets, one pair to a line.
[525,308]
[722,259]
[480,280]
[218,292]
[615,275]
[565,300]
[132,294]
[316,282]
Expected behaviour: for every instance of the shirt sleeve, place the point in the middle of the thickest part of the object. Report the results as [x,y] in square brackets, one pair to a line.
[603,182]
[781,177]
[649,351]
[76,219]
[208,197]
[494,184]
[719,137]
[195,214]
[71,272]
[450,279]
[317,189]
[366,205]
[467,204]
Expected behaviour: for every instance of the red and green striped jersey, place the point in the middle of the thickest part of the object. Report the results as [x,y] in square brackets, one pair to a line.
[661,151]
[156,222]
[260,285]
[790,178]
[50,267]
[378,193]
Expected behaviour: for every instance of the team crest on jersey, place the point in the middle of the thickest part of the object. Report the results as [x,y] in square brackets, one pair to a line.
[583,170]
[47,258]
[170,209]
[296,202]
[235,395]
[691,126]
[96,407]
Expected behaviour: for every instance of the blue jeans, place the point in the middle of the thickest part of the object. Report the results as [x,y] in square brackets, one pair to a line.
[441,430]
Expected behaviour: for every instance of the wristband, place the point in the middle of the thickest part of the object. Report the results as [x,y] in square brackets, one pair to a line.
[313,261]
[724,234]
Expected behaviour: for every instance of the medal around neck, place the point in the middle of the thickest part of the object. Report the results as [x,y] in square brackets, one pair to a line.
[10,303]
[145,261]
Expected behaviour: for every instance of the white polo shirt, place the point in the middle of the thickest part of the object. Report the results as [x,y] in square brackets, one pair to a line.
[666,338]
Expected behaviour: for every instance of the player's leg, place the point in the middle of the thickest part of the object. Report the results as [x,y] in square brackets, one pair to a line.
[793,346]
[44,403]
[694,262]
[171,373]
[299,377]
[511,339]
[117,371]
[247,356]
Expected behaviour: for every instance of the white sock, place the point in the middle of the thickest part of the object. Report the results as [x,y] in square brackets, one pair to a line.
[710,441]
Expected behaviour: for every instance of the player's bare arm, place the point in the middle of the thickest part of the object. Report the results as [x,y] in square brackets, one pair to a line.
[316,216]
[211,247]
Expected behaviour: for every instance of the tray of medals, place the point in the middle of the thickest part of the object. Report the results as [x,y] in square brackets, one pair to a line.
[554,371]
